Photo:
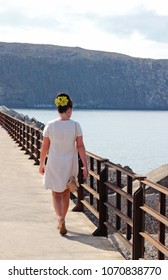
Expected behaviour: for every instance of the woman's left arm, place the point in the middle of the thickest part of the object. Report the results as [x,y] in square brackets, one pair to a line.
[82,152]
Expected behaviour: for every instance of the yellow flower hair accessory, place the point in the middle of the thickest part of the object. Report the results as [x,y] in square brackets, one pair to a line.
[61,101]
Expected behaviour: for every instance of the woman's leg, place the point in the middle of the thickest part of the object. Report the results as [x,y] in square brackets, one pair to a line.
[61,205]
[57,203]
[65,203]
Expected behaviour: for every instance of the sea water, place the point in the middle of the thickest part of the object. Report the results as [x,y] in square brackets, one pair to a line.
[138,139]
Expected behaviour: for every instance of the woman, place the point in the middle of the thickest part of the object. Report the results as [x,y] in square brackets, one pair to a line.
[62,141]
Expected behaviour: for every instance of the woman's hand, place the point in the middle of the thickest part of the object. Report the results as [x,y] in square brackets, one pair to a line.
[85,172]
[42,169]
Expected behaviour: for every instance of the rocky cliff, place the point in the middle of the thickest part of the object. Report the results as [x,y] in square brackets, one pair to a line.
[31,76]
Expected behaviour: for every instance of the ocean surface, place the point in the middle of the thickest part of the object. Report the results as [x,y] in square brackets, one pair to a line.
[138,139]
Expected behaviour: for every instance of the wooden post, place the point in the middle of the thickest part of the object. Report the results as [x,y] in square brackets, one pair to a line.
[79,205]
[102,229]
[138,225]
[129,206]
[118,199]
[161,226]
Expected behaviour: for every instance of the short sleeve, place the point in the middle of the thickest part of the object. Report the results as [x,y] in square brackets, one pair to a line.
[78,130]
[46,131]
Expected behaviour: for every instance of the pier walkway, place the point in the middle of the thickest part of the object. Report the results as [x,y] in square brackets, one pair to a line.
[27,220]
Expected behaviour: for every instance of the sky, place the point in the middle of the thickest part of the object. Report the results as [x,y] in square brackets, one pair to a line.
[138,28]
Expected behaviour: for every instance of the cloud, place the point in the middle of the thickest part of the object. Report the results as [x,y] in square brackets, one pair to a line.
[21,20]
[66,18]
[137,28]
[147,23]
[60,20]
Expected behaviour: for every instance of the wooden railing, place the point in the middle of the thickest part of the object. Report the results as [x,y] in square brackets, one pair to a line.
[157,214]
[109,195]
[28,137]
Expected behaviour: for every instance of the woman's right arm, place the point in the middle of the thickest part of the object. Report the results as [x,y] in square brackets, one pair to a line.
[43,154]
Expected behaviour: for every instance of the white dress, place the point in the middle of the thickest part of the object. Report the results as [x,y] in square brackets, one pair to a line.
[62,162]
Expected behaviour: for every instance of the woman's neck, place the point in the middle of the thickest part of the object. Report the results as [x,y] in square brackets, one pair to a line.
[64,116]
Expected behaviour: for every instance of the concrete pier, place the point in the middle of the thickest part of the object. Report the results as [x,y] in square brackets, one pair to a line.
[28,226]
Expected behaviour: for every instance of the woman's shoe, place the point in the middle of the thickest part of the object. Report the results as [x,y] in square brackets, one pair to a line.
[62,228]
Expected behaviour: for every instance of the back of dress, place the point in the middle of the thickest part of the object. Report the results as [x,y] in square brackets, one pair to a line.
[62,160]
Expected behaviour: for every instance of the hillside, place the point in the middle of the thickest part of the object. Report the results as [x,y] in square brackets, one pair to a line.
[31,75]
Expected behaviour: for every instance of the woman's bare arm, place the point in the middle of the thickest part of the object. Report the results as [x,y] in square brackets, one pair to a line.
[43,154]
[82,152]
